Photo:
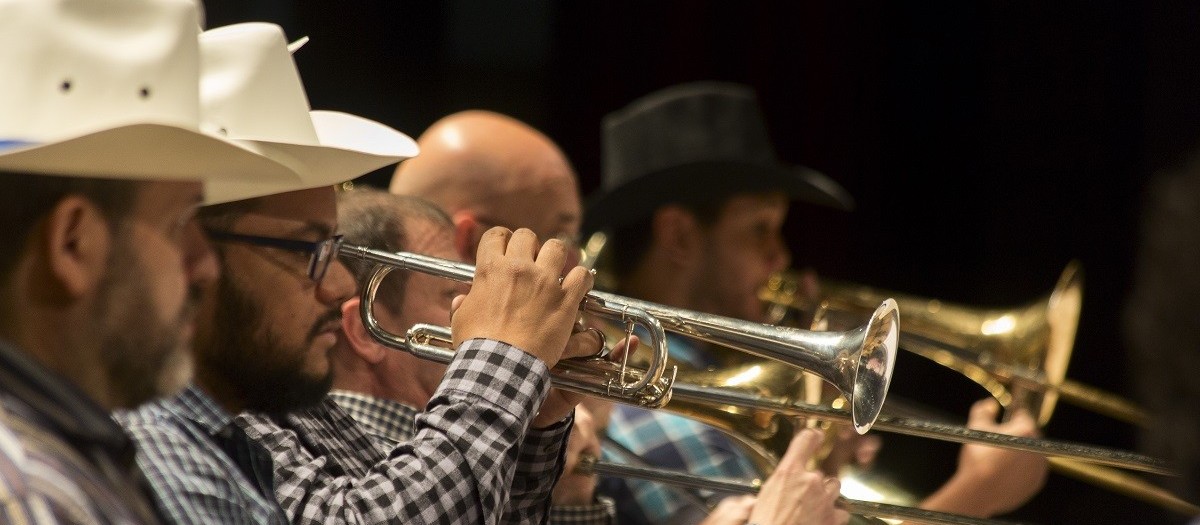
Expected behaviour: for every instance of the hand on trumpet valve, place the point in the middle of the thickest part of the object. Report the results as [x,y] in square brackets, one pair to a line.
[516,296]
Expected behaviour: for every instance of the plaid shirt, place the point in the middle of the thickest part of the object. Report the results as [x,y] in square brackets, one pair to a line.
[390,422]
[458,468]
[674,442]
[62,460]
[202,468]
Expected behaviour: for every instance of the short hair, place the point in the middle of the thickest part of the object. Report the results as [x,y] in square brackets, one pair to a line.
[377,219]
[25,198]
[632,241]
[1160,325]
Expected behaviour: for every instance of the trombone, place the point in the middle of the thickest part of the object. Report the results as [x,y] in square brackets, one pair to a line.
[589,464]
[858,362]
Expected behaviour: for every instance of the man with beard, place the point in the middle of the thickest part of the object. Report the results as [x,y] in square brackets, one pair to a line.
[703,200]
[103,258]
[266,331]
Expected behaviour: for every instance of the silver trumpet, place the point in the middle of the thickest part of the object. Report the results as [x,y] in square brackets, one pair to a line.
[858,362]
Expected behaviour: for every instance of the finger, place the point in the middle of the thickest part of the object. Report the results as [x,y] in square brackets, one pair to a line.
[524,245]
[802,448]
[582,344]
[840,517]
[492,244]
[983,413]
[456,303]
[552,256]
[577,283]
[628,344]
[832,486]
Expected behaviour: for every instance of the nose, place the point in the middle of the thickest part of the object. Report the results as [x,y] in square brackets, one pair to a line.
[780,256]
[338,285]
[200,262]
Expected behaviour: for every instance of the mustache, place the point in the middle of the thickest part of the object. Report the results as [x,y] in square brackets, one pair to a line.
[333,316]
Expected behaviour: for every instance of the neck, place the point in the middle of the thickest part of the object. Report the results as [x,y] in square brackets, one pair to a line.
[228,397]
[398,383]
[59,338]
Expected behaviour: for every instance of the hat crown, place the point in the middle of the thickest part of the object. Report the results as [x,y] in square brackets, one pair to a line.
[700,122]
[76,66]
[250,87]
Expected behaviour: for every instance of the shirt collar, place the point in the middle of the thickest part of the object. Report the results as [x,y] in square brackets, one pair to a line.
[380,416]
[196,405]
[61,406]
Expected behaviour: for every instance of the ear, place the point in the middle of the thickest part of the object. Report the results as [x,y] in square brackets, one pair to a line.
[79,240]
[361,343]
[677,233]
[467,232]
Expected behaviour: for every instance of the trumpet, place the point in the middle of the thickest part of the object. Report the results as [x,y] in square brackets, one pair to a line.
[858,362]
[590,464]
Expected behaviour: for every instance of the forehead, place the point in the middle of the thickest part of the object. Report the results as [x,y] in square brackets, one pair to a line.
[314,209]
[748,206]
[155,197]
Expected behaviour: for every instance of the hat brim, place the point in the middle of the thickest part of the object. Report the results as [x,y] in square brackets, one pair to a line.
[694,182]
[144,152]
[350,146]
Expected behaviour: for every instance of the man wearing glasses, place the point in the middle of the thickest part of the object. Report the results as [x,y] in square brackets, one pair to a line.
[266,330]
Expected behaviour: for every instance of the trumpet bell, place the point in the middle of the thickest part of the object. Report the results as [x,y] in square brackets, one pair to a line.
[1018,355]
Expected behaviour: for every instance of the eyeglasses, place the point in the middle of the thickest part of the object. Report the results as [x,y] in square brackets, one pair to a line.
[320,253]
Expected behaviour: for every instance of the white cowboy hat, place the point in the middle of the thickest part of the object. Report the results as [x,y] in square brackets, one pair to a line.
[110,90]
[251,92]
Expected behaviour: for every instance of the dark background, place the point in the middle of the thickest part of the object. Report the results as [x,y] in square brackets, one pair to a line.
[987,143]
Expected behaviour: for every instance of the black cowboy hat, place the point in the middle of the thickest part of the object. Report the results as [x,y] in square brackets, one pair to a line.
[690,142]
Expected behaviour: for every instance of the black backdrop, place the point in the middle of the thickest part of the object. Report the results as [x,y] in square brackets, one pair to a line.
[987,143]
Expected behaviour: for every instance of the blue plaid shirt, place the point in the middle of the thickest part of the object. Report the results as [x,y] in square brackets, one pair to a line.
[669,441]
[458,469]
[202,468]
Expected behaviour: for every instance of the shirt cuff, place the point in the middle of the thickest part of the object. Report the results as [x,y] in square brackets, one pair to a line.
[499,373]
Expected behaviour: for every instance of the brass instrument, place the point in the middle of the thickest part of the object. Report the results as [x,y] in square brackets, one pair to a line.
[1012,353]
[858,362]
[1018,355]
[590,464]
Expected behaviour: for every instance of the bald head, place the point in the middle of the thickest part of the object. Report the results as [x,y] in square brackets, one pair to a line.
[487,169]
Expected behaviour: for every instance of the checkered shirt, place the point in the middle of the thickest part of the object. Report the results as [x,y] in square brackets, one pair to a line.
[62,459]
[669,441]
[458,467]
[202,468]
[390,422]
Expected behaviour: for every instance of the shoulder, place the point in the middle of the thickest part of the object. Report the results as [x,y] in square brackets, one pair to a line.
[37,477]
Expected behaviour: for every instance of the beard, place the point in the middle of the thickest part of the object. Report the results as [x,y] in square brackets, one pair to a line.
[144,357]
[262,371]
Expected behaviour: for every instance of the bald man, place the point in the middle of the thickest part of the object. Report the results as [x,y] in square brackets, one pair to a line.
[485,169]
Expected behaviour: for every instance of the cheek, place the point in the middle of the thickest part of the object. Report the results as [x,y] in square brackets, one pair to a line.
[163,268]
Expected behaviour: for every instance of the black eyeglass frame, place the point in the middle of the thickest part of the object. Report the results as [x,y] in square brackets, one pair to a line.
[320,253]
